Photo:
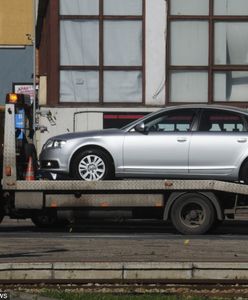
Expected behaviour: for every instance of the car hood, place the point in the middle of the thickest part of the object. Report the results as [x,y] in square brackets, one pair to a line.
[92,133]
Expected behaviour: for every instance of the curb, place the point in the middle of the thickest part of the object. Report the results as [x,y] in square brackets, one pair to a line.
[126,271]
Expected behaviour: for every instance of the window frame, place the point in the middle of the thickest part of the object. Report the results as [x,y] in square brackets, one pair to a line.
[211,68]
[101,68]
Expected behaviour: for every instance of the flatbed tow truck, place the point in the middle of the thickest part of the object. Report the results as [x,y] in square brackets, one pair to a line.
[193,206]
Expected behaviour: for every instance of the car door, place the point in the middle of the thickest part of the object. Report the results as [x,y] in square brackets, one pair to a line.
[217,147]
[163,147]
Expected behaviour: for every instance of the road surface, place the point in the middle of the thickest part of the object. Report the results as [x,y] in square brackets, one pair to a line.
[118,241]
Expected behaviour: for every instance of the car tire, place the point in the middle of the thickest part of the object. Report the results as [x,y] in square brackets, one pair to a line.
[192,213]
[243,175]
[92,165]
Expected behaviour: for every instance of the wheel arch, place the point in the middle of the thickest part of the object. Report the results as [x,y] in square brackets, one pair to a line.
[209,195]
[90,147]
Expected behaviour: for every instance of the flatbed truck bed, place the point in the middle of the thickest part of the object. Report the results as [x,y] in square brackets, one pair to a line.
[129,185]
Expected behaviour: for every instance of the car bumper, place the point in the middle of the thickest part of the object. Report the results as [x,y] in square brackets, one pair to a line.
[53,160]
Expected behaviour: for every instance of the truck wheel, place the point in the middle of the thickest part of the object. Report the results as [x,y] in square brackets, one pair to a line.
[44,220]
[1,215]
[2,212]
[92,165]
[192,213]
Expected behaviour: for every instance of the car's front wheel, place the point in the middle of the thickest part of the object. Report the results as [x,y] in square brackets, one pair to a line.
[92,165]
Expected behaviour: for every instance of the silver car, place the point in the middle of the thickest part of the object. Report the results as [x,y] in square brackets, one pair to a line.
[191,141]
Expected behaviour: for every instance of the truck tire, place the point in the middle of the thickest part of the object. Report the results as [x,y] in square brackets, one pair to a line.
[192,213]
[45,220]
[2,212]
[92,165]
[1,215]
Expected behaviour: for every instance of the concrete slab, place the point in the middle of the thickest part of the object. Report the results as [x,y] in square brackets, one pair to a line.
[124,271]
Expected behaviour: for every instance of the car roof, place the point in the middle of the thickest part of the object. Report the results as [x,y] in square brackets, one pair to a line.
[213,106]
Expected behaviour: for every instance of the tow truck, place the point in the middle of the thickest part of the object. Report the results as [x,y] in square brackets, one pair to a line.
[193,206]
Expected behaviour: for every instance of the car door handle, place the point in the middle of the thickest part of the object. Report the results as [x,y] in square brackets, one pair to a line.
[181,139]
[242,140]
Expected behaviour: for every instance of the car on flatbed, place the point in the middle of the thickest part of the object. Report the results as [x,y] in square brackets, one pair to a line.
[190,141]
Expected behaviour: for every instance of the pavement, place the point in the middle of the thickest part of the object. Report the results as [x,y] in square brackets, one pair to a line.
[115,254]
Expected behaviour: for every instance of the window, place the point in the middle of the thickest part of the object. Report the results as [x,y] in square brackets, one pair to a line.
[180,120]
[231,7]
[207,51]
[222,121]
[101,51]
[189,7]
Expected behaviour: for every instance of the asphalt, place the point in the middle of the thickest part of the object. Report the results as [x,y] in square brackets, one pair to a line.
[115,253]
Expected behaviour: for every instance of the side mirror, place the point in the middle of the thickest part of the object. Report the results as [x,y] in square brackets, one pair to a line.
[140,127]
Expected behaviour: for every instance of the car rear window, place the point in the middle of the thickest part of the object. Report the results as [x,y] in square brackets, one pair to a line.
[223,121]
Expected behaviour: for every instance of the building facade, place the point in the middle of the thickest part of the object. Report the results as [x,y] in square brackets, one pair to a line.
[16,45]
[97,52]
[207,51]
[103,59]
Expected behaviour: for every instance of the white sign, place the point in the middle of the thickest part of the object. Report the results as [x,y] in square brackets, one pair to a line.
[27,89]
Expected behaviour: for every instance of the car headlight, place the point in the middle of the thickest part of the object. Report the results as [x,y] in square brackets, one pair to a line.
[58,143]
[54,144]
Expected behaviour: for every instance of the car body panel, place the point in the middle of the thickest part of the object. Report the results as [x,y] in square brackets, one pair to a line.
[217,153]
[156,152]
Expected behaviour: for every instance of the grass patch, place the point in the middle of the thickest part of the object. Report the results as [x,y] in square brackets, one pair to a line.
[65,295]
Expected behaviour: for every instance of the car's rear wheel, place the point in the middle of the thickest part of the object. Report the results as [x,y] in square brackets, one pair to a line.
[243,175]
[92,165]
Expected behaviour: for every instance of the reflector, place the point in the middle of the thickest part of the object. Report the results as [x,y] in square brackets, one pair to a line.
[12,98]
[19,99]
[8,171]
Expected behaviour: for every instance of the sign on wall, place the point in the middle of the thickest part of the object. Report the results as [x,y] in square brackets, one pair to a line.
[24,88]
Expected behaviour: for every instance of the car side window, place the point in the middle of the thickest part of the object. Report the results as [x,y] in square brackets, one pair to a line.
[221,121]
[172,121]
